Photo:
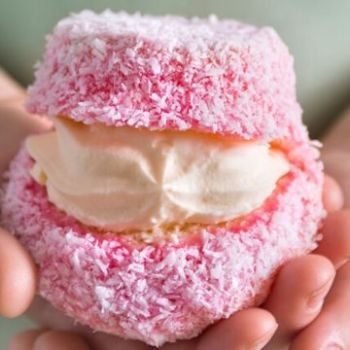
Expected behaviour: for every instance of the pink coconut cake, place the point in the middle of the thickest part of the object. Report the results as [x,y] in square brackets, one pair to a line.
[168,73]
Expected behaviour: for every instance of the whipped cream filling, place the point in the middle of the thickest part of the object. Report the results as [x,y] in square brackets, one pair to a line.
[126,178]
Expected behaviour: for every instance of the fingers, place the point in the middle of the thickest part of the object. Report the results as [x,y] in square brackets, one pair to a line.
[17,277]
[248,329]
[53,340]
[15,125]
[15,122]
[299,291]
[337,137]
[335,244]
[56,340]
[332,326]
[102,341]
[181,345]
[25,340]
[333,198]
[46,315]
[337,164]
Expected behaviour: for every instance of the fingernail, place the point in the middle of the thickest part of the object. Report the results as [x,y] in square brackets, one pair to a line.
[262,341]
[316,299]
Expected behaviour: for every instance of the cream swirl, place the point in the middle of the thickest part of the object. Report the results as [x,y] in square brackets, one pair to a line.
[126,178]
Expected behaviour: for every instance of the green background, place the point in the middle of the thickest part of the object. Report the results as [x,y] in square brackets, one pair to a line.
[317,33]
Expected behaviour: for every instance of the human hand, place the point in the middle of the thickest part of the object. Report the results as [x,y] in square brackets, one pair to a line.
[17,270]
[244,329]
[336,154]
[334,320]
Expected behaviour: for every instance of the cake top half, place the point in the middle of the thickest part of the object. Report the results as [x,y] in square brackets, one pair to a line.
[161,73]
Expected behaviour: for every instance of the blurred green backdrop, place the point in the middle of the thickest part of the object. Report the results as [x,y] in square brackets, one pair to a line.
[315,31]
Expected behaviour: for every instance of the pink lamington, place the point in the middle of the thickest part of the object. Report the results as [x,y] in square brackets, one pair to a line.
[166,73]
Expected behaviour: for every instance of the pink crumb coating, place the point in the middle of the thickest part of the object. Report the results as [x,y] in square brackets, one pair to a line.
[169,289]
[211,75]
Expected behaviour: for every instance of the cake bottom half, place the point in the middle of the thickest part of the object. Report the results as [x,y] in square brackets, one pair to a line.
[173,286]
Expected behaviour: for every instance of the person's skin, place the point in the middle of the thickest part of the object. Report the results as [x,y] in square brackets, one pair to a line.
[336,153]
[296,311]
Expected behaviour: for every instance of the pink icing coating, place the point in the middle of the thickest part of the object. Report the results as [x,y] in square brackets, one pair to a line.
[169,73]
[166,290]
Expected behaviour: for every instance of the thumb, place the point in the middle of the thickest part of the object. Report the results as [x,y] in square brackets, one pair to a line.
[17,276]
